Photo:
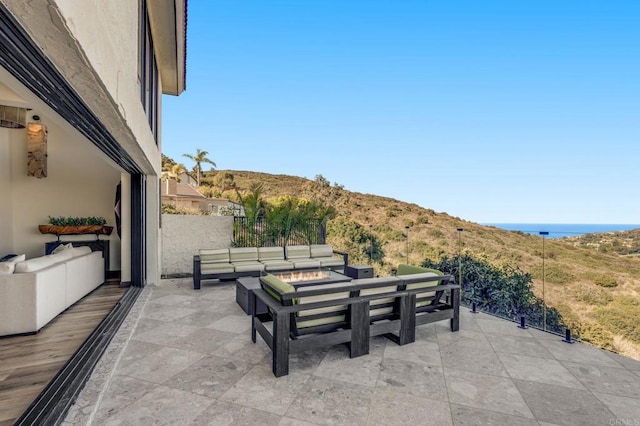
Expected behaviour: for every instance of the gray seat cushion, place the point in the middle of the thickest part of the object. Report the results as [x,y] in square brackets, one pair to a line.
[305,263]
[248,266]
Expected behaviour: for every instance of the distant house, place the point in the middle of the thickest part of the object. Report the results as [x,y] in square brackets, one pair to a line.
[186,177]
[184,196]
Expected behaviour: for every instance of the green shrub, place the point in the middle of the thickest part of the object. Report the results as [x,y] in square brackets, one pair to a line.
[435,233]
[501,290]
[622,316]
[595,334]
[593,296]
[552,274]
[422,219]
[77,221]
[391,213]
[390,234]
[605,281]
[171,209]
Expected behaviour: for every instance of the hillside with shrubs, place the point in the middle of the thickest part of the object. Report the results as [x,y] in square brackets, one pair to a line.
[593,290]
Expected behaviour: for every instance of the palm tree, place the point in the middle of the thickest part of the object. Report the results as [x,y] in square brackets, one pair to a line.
[199,158]
[254,208]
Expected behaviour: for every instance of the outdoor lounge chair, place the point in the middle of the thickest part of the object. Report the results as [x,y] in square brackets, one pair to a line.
[310,318]
[328,314]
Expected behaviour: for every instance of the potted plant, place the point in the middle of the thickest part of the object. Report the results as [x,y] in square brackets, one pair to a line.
[76,225]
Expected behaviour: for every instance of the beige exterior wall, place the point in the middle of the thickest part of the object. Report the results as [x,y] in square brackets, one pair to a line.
[7,139]
[153,231]
[108,33]
[184,235]
[95,47]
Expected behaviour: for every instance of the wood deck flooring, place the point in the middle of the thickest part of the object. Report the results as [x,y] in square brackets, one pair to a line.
[28,363]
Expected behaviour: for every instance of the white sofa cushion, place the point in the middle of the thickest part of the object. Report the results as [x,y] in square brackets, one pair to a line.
[80,251]
[62,255]
[35,264]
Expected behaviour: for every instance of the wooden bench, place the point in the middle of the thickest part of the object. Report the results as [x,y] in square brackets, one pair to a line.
[323,315]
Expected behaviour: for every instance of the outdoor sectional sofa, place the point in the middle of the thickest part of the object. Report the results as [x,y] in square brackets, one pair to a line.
[313,316]
[35,291]
[235,262]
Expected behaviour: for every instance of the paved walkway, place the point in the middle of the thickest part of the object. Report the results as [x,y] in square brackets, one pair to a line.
[185,357]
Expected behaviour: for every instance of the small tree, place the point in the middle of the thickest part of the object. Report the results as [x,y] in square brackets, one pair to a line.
[173,171]
[348,235]
[255,208]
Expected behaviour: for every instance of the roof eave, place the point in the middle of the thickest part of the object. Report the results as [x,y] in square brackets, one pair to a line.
[168,20]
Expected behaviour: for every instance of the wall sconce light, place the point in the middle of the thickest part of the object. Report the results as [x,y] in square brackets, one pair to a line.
[37,150]
[13,117]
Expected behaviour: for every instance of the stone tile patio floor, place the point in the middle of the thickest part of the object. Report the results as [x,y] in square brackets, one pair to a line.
[186,357]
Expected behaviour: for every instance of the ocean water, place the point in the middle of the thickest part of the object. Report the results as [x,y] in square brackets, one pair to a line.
[558,230]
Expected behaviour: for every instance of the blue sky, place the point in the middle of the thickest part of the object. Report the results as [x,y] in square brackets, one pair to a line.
[491,111]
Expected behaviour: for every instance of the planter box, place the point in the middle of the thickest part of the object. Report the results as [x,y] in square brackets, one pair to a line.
[75,230]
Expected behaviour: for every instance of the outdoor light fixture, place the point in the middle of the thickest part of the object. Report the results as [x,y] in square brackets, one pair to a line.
[459,230]
[371,241]
[37,150]
[544,304]
[407,235]
[13,117]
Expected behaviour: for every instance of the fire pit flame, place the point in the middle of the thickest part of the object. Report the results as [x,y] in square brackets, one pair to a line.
[301,276]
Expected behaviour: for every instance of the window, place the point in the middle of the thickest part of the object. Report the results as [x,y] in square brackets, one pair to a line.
[148,71]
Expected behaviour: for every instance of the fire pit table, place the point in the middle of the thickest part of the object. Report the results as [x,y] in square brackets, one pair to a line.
[315,277]
[246,285]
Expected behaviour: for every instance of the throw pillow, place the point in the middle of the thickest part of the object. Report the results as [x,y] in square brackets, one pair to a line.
[61,247]
[9,266]
[18,259]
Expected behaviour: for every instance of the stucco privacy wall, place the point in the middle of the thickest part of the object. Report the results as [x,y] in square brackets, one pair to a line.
[184,235]
[79,182]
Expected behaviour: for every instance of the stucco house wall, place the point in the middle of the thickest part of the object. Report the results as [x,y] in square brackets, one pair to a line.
[95,47]
[106,29]
[184,235]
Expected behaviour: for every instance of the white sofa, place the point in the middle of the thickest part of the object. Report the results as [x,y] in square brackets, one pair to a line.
[41,288]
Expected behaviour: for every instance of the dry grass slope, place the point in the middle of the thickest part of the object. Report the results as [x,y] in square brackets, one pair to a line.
[598,293]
